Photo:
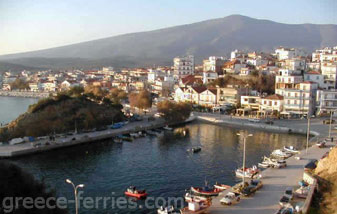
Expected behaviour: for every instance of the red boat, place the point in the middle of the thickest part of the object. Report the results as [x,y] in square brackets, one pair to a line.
[133,192]
[206,191]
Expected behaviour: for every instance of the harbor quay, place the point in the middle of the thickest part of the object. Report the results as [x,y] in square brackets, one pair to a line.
[29,94]
[9,151]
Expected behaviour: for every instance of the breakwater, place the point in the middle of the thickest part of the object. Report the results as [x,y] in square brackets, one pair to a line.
[29,94]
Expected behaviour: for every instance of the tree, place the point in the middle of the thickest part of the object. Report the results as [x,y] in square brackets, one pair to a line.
[141,100]
[174,112]
[95,92]
[116,95]
[75,91]
[15,183]
[19,84]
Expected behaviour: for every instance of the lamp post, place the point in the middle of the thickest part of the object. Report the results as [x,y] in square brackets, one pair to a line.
[308,135]
[75,192]
[244,154]
[330,124]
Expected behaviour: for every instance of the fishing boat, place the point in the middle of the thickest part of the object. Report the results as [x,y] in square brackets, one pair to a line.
[133,192]
[263,164]
[195,149]
[290,149]
[117,140]
[167,128]
[221,186]
[205,191]
[247,172]
[189,196]
[166,210]
[196,207]
[280,154]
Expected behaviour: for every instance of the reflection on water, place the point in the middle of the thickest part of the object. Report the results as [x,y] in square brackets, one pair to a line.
[161,165]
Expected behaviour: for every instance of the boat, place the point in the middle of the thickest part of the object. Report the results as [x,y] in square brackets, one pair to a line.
[133,192]
[320,144]
[270,162]
[117,140]
[190,197]
[205,191]
[166,210]
[167,128]
[263,164]
[196,207]
[302,192]
[195,149]
[248,172]
[280,154]
[290,149]
[221,186]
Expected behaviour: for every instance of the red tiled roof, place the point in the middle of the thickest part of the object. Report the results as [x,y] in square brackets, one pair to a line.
[274,97]
[313,72]
[199,89]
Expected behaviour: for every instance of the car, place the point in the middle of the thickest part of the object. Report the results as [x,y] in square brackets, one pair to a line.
[312,164]
[327,121]
[284,201]
[230,198]
[248,191]
[289,193]
[256,183]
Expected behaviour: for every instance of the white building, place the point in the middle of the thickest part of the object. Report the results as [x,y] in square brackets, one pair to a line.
[301,99]
[213,63]
[326,101]
[272,104]
[286,79]
[183,66]
[317,77]
[329,70]
[327,54]
[209,76]
[285,53]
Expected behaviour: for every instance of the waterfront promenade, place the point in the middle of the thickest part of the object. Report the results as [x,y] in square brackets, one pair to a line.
[275,181]
[8,151]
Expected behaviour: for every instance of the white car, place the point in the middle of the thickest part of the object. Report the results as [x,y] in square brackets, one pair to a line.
[230,198]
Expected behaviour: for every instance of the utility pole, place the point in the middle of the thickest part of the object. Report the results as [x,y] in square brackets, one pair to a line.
[308,135]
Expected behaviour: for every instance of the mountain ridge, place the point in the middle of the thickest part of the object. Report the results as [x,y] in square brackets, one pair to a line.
[202,39]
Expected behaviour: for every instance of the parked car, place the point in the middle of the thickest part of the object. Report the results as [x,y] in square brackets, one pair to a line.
[257,184]
[230,198]
[312,164]
[269,122]
[248,191]
[289,193]
[284,201]
[327,121]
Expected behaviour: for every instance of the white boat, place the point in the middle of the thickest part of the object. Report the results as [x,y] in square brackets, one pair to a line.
[190,197]
[221,186]
[166,210]
[247,173]
[15,141]
[291,149]
[302,192]
[281,154]
[196,207]
[263,164]
[167,128]
[134,135]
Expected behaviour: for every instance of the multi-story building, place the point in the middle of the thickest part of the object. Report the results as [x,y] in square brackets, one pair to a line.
[294,64]
[209,76]
[326,101]
[285,53]
[329,70]
[183,66]
[272,104]
[317,77]
[301,99]
[230,95]
[213,64]
[286,79]
[250,102]
[327,54]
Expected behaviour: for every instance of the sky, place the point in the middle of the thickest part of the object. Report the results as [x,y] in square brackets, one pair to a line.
[27,25]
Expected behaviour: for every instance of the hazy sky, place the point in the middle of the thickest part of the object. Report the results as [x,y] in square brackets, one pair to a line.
[27,25]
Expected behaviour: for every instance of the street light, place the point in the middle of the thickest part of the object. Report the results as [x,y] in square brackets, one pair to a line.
[75,192]
[330,124]
[244,154]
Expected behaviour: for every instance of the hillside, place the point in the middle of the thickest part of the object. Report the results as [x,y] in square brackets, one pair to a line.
[327,169]
[202,39]
[59,115]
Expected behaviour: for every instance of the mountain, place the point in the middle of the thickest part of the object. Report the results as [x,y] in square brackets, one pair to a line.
[202,39]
